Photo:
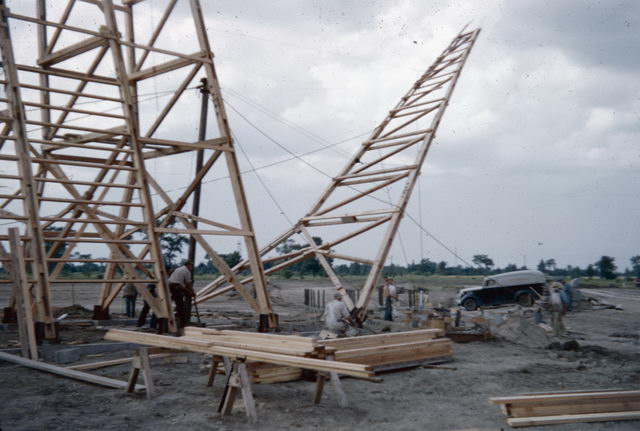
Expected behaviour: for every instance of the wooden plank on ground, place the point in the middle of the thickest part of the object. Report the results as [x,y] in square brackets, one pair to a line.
[536,399]
[65,372]
[112,362]
[576,407]
[564,419]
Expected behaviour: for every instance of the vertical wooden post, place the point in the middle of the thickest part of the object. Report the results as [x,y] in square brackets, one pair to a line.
[259,280]
[24,310]
[127,94]
[27,183]
[202,134]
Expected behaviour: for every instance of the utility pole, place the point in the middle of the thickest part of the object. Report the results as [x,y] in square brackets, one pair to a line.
[202,132]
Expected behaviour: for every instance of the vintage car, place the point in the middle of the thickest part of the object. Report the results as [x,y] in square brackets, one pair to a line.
[517,287]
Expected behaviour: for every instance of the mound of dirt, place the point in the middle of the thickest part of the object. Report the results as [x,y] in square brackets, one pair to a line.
[521,331]
[75,311]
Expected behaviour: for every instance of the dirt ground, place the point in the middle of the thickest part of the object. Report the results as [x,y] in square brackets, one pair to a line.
[419,398]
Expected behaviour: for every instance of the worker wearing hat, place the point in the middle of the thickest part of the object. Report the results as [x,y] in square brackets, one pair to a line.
[181,288]
[557,308]
[336,315]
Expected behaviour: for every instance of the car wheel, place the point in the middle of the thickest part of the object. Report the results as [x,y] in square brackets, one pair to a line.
[525,300]
[470,304]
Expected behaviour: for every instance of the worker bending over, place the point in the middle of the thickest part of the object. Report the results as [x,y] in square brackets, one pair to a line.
[336,315]
[181,288]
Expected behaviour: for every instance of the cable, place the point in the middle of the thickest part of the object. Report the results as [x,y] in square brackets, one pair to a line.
[317,50]
[351,187]
[286,122]
[160,93]
[276,142]
[261,180]
[279,162]
[437,240]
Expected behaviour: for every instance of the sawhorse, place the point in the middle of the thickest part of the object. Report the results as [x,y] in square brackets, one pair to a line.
[237,379]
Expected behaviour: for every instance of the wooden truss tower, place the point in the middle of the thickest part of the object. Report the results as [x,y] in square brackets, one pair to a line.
[390,160]
[75,175]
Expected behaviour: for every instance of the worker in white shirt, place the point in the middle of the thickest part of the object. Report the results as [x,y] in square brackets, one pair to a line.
[336,315]
[181,288]
[557,308]
[390,294]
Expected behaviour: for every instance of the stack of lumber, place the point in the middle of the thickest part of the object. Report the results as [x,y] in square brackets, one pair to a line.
[569,407]
[261,372]
[289,351]
[391,348]
[280,358]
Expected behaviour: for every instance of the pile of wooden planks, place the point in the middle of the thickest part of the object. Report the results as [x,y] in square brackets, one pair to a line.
[280,358]
[270,373]
[289,351]
[391,348]
[569,407]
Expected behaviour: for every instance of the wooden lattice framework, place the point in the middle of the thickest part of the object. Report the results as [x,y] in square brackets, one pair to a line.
[85,180]
[392,156]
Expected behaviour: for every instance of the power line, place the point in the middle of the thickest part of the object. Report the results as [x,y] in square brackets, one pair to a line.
[269,165]
[351,187]
[305,132]
[308,48]
[264,185]
[276,142]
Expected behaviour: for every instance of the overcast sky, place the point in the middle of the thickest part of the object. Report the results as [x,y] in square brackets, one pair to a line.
[538,153]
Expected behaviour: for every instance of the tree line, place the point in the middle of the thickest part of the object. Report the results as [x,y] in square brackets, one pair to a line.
[173,247]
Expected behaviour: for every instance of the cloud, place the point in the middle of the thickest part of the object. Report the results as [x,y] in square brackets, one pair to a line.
[538,145]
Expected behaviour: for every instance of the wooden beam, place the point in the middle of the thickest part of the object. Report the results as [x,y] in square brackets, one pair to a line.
[71,51]
[159,69]
[565,419]
[190,345]
[112,362]
[26,322]
[65,372]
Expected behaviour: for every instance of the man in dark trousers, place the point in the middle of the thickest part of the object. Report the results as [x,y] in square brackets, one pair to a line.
[181,288]
[145,310]
[130,294]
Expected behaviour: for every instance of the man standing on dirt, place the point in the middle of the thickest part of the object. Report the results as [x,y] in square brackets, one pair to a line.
[130,294]
[557,307]
[390,294]
[336,315]
[181,288]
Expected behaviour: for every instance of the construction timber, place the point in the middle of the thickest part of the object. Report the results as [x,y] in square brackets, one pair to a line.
[78,177]
[390,160]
